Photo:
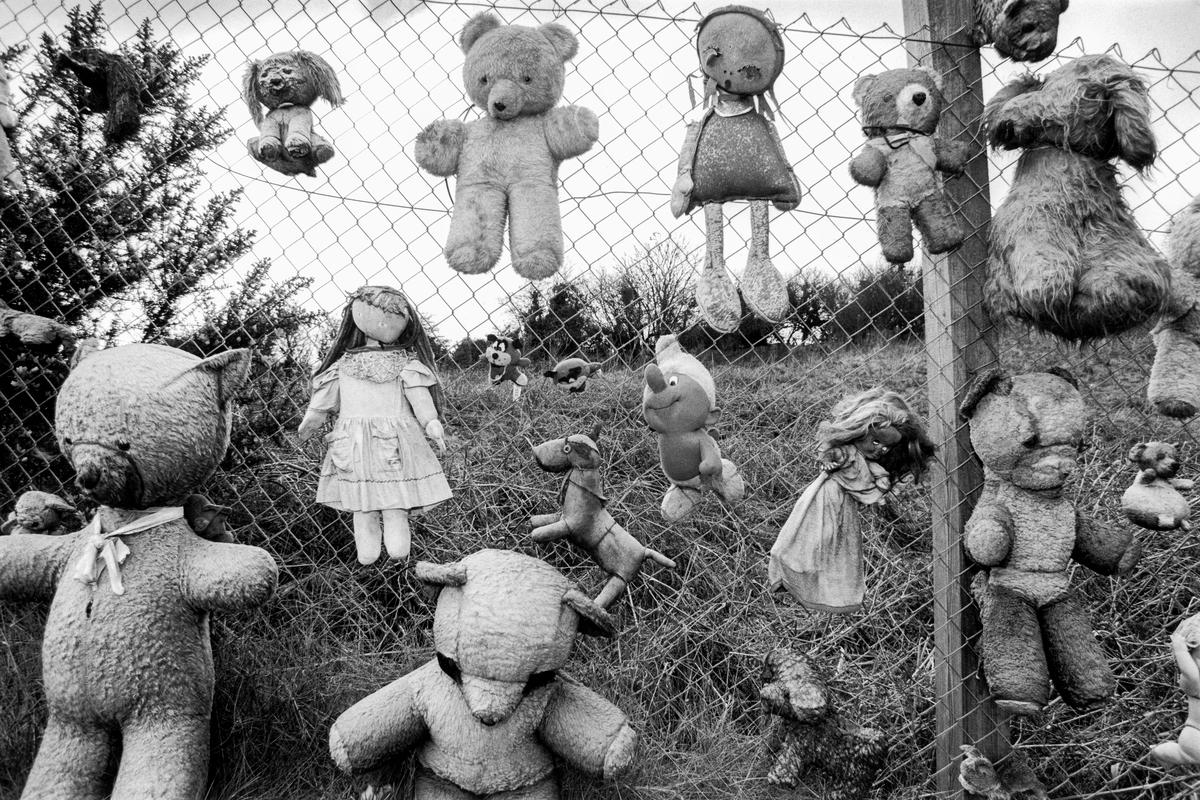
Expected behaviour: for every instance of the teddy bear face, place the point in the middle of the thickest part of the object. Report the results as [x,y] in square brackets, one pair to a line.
[739,52]
[143,424]
[906,99]
[1027,30]
[502,350]
[673,402]
[283,78]
[514,70]
[1158,457]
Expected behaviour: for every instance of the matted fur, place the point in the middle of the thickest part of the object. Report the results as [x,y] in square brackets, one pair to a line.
[1023,30]
[287,84]
[1066,254]
[1175,377]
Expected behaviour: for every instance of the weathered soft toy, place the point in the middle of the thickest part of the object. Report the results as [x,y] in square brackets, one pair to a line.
[816,739]
[1065,253]
[584,521]
[1024,533]
[507,162]
[505,363]
[489,714]
[1023,30]
[114,86]
[287,84]
[31,330]
[900,110]
[1013,779]
[573,373]
[1185,647]
[679,402]
[1175,376]
[42,512]
[10,173]
[126,655]
[1153,500]
[733,152]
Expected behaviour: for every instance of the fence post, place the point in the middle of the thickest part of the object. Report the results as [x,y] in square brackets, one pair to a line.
[959,341]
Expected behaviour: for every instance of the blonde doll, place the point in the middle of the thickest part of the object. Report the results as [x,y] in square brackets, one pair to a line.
[1185,642]
[379,379]
[872,441]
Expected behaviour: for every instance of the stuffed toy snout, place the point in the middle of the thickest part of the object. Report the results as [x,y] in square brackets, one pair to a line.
[491,701]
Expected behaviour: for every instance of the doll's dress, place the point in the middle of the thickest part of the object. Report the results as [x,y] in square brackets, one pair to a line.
[378,457]
[818,553]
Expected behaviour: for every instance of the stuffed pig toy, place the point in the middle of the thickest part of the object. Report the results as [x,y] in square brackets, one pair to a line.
[127,662]
[488,715]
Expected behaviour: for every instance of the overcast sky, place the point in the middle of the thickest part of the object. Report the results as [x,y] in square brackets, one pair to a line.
[372,216]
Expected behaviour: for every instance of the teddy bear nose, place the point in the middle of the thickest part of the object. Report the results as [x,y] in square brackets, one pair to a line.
[89,477]
[919,98]
[499,106]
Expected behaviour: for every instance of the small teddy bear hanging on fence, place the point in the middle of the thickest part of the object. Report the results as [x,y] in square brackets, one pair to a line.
[287,84]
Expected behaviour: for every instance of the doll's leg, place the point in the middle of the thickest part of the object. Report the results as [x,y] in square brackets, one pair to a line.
[535,230]
[1011,646]
[715,293]
[895,233]
[937,224]
[71,762]
[476,228]
[1077,663]
[163,757]
[397,535]
[368,530]
[762,286]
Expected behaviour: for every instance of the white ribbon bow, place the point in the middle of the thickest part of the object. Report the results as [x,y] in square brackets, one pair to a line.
[107,550]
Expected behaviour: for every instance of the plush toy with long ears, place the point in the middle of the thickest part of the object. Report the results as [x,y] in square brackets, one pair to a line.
[1174,387]
[505,363]
[584,521]
[114,86]
[572,373]
[1023,30]
[1153,500]
[287,84]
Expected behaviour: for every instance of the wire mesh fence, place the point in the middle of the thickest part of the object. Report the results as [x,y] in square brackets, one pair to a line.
[177,235]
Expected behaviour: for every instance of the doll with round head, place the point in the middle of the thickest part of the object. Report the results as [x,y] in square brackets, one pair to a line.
[1185,646]
[379,379]
[871,441]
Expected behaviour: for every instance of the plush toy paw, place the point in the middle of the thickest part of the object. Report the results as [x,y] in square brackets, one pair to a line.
[471,259]
[537,265]
[298,146]
[729,483]
[621,753]
[678,502]
[439,146]
[268,148]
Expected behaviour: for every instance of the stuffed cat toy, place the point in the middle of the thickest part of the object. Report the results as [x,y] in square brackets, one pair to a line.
[287,84]
[505,363]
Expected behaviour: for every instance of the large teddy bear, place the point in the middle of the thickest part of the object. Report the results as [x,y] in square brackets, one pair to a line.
[1024,532]
[1175,377]
[507,161]
[900,109]
[126,656]
[490,712]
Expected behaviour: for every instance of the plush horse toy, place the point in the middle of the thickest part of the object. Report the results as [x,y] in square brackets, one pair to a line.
[584,521]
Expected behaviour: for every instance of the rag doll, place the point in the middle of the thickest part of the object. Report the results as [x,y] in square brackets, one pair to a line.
[505,363]
[1154,501]
[1185,647]
[872,440]
[732,151]
[379,379]
[10,174]
[287,84]
[572,373]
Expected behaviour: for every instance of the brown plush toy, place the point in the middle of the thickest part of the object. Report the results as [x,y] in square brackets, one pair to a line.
[490,713]
[287,84]
[1175,376]
[1024,532]
[1154,501]
[900,110]
[816,739]
[584,521]
[10,174]
[1023,30]
[507,162]
[114,86]
[127,661]
[1066,254]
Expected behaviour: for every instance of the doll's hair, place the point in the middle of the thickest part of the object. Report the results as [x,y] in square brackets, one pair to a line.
[854,417]
[414,337]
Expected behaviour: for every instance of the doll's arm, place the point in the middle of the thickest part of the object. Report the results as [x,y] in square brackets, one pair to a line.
[834,458]
[710,456]
[30,564]
[326,398]
[426,413]
[379,727]
[225,577]
[681,193]
[951,155]
[869,167]
[989,531]
[1108,551]
[571,131]
[587,731]
[439,146]
[1184,659]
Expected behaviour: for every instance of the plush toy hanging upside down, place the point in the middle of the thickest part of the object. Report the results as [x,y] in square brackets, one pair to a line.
[288,84]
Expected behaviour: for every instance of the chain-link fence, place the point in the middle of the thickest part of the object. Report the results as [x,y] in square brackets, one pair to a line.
[178,235]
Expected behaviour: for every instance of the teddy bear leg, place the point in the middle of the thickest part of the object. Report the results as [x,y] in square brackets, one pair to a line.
[937,224]
[163,756]
[895,233]
[71,763]
[476,228]
[1077,663]
[535,230]
[368,533]
[1175,375]
[1014,662]
[397,534]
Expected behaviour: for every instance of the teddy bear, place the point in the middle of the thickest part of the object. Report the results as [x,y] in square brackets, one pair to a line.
[1024,532]
[572,373]
[584,521]
[811,737]
[507,161]
[900,109]
[41,512]
[490,712]
[679,402]
[1175,375]
[1023,30]
[505,363]
[127,661]
[287,84]
[114,86]
[1065,253]
[10,173]
[1153,500]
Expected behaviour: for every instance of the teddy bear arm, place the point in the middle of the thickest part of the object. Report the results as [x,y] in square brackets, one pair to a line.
[571,131]
[1107,550]
[587,731]
[440,145]
[951,155]
[868,167]
[989,533]
[31,564]
[216,576]
[378,728]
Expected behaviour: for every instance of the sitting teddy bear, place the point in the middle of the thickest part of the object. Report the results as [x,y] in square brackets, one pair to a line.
[1154,501]
[490,712]
[1023,30]
[1024,532]
[507,162]
[900,111]
[288,84]
[1175,376]
[505,363]
[126,655]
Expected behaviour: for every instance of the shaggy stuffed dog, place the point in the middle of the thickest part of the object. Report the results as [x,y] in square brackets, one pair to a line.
[1066,254]
[288,84]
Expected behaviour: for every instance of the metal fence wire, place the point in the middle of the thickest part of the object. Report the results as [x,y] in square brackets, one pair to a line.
[177,235]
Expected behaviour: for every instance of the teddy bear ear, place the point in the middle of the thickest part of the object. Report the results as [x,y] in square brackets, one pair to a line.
[933,74]
[230,369]
[593,620]
[1063,373]
[992,381]
[442,574]
[477,26]
[563,40]
[861,87]
[324,79]
[1135,452]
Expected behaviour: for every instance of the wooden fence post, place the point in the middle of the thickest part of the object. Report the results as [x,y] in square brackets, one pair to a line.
[959,342]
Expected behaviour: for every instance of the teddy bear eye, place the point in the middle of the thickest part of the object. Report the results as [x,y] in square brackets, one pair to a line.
[483,80]
[67,441]
[527,79]
[122,444]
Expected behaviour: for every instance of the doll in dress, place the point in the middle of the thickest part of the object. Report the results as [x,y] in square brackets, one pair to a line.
[1185,646]
[378,378]
[873,441]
